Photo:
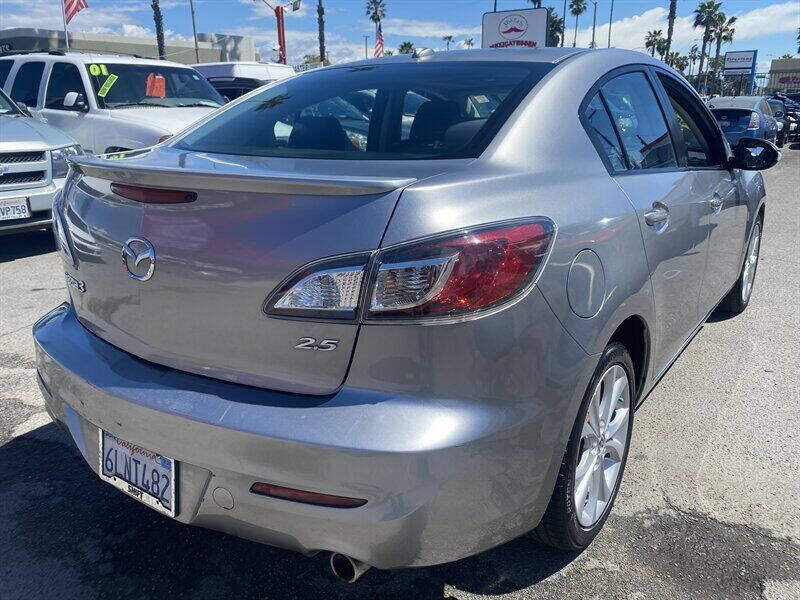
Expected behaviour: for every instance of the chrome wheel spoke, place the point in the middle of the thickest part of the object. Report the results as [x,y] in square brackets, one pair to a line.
[750,262]
[602,446]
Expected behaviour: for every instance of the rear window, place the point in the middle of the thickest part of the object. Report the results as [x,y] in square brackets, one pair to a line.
[732,119]
[390,111]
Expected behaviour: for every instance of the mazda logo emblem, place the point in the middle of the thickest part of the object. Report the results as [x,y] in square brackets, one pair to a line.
[136,251]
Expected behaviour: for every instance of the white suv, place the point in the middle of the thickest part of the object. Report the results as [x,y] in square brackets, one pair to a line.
[108,103]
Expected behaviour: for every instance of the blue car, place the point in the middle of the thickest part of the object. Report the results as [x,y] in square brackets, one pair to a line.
[744,116]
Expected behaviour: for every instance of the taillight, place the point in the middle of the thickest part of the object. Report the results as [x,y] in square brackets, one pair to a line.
[468,271]
[150,195]
[450,275]
[755,121]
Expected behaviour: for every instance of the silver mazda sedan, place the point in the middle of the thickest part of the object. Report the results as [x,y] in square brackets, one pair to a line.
[400,310]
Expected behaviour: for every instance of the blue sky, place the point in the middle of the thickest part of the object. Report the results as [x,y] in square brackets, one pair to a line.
[769,26]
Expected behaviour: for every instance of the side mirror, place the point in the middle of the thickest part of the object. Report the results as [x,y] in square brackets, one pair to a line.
[778,114]
[24,108]
[754,154]
[75,101]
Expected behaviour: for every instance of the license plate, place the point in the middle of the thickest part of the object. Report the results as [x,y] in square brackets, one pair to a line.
[14,208]
[145,475]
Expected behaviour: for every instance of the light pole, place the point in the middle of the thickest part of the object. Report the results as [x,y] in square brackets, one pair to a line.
[194,31]
[366,38]
[564,18]
[610,20]
[594,22]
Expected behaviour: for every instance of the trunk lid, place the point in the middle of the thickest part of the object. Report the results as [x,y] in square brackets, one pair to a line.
[254,222]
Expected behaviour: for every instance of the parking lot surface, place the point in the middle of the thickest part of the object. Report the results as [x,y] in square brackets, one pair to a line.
[709,508]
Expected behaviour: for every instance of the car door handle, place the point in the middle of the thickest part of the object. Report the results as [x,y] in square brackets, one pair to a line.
[716,202]
[658,215]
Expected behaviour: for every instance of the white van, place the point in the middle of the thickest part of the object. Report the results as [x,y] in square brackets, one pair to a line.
[108,103]
[232,79]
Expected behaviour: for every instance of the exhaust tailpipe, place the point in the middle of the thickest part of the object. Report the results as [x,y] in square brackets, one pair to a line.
[347,568]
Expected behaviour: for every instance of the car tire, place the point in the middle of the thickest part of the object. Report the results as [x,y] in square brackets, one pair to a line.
[738,298]
[570,522]
[779,141]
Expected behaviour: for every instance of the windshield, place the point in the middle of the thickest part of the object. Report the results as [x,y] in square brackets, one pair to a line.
[125,85]
[6,106]
[388,111]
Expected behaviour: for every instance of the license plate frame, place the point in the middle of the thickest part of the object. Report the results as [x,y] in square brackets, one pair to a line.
[133,488]
[16,202]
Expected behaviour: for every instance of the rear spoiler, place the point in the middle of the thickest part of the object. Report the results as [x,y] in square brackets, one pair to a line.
[122,171]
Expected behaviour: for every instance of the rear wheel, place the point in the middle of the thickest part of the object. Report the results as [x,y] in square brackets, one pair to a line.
[739,297]
[780,139]
[594,461]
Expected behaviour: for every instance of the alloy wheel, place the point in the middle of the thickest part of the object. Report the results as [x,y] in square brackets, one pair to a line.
[603,446]
[750,262]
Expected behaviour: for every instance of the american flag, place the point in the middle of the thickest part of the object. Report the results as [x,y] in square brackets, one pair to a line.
[379,41]
[72,8]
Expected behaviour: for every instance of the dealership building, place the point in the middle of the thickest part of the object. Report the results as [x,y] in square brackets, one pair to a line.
[784,75]
[211,47]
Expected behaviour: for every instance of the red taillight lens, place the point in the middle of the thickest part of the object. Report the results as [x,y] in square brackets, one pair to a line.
[286,493]
[472,270]
[755,121]
[150,195]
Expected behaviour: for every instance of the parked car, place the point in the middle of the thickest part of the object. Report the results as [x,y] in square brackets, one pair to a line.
[33,168]
[410,350]
[232,79]
[744,116]
[779,112]
[108,103]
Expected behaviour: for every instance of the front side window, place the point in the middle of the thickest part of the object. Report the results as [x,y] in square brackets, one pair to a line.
[27,82]
[697,139]
[389,111]
[5,69]
[121,85]
[639,122]
[600,124]
[64,78]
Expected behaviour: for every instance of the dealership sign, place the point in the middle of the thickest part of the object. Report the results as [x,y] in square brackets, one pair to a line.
[740,62]
[525,28]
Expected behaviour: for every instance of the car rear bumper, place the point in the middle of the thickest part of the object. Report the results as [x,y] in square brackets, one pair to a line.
[40,203]
[443,478]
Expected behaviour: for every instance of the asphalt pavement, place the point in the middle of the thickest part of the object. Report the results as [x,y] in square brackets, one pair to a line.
[709,507]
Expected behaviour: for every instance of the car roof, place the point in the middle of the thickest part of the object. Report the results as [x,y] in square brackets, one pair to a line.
[92,57]
[551,55]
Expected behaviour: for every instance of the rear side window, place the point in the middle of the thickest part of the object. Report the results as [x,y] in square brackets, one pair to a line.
[64,78]
[389,111]
[27,82]
[599,123]
[5,69]
[639,122]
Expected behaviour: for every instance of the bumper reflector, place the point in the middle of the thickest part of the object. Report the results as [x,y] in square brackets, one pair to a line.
[285,493]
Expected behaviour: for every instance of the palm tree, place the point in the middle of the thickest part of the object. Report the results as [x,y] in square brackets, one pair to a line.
[468,43]
[651,40]
[723,31]
[705,17]
[447,39]
[388,52]
[406,48]
[673,9]
[694,54]
[661,48]
[678,61]
[798,40]
[576,8]
[321,26]
[159,21]
[376,11]
[556,29]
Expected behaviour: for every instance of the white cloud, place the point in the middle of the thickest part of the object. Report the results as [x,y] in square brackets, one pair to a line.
[629,32]
[420,28]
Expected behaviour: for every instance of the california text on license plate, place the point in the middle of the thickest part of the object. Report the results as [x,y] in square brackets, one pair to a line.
[14,208]
[145,475]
